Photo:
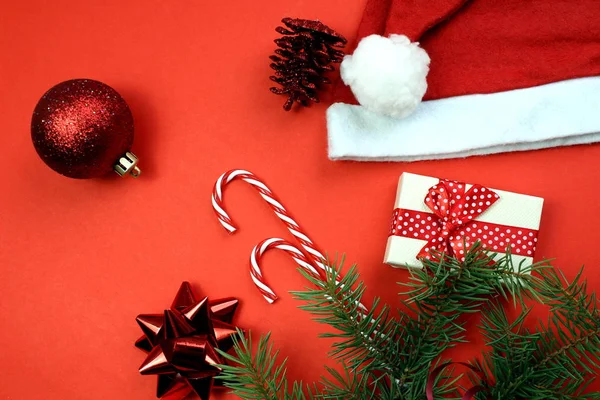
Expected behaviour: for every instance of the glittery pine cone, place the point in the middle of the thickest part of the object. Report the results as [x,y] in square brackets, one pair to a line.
[305,55]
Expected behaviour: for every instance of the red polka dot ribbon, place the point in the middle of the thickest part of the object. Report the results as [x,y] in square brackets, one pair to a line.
[451,226]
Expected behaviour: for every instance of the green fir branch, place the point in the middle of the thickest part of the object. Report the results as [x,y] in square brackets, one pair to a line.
[556,361]
[346,385]
[463,286]
[256,375]
[445,289]
[387,353]
[367,337]
[391,357]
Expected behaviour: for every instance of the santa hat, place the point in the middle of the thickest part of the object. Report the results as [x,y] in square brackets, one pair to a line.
[496,75]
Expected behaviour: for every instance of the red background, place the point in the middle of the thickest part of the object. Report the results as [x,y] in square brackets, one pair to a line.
[80,259]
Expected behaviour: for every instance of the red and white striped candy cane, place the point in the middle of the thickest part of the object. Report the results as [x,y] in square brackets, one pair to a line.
[217,201]
[275,243]
[315,256]
[297,255]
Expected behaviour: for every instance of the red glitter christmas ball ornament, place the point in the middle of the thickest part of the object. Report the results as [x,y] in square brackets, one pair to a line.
[84,129]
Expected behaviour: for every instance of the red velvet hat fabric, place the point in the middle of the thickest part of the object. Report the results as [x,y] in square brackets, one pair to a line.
[487,46]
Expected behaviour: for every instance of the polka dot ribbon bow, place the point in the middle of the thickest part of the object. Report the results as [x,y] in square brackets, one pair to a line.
[455,210]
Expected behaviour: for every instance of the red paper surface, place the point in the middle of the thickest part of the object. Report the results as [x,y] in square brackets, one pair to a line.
[80,259]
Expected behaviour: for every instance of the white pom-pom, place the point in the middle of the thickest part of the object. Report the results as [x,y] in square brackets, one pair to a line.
[387,75]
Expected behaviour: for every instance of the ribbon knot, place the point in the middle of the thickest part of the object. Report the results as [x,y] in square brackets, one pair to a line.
[447,227]
[455,209]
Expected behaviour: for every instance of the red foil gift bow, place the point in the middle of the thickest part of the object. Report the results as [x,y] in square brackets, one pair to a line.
[451,227]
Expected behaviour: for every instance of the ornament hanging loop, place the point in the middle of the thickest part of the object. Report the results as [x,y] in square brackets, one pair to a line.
[127,164]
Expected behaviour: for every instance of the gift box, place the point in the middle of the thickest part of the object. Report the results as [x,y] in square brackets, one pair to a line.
[450,216]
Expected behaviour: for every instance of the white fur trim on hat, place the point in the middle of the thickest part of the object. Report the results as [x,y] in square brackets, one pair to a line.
[387,75]
[556,114]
